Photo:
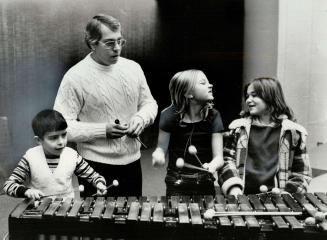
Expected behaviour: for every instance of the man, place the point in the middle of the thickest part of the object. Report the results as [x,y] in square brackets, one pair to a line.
[107,103]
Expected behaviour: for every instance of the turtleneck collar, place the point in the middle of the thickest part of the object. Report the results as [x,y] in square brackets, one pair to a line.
[98,65]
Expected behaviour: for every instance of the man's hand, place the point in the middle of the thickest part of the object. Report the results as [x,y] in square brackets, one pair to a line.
[114,130]
[136,126]
[34,194]
[101,189]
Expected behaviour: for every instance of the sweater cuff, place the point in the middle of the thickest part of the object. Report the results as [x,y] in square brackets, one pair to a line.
[231,182]
[100,179]
[100,131]
[146,120]
[20,192]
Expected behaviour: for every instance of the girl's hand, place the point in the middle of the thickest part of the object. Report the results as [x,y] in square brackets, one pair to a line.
[211,166]
[35,194]
[101,189]
[158,158]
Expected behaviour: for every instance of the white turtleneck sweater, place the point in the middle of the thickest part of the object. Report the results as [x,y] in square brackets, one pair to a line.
[92,95]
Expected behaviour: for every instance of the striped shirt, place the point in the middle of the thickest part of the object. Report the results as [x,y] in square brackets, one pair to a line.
[15,185]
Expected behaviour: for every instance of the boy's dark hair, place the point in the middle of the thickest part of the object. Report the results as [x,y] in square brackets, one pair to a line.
[48,120]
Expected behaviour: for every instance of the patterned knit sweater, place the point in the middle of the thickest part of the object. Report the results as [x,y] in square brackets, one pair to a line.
[92,95]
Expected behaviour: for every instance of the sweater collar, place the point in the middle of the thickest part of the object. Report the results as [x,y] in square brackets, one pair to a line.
[286,124]
[98,65]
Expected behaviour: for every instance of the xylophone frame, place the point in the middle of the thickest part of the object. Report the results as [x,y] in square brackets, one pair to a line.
[175,217]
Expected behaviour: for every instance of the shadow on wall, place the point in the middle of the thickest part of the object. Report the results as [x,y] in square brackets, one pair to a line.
[42,39]
[5,144]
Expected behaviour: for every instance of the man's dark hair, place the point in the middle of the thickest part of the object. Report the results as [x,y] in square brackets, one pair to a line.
[48,120]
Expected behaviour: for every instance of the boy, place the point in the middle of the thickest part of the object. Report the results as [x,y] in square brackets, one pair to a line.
[49,167]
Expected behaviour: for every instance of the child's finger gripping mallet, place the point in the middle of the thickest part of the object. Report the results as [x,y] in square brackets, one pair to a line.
[114,183]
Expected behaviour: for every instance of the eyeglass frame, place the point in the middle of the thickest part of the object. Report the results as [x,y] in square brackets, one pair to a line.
[121,42]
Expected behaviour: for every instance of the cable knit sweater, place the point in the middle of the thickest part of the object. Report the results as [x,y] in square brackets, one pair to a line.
[91,95]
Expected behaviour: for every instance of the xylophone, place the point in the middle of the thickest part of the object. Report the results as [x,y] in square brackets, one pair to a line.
[175,217]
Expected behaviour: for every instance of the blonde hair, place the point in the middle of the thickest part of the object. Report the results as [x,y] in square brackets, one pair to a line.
[180,87]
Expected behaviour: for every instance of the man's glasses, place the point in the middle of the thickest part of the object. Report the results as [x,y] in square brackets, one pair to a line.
[111,44]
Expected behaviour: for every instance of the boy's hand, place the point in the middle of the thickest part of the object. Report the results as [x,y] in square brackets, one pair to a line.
[34,194]
[158,158]
[101,189]
[235,191]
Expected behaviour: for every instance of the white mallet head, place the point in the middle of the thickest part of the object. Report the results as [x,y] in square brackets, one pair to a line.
[81,188]
[263,188]
[310,221]
[275,191]
[209,214]
[115,183]
[192,150]
[180,163]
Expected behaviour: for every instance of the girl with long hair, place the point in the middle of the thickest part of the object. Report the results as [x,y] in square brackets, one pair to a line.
[266,145]
[191,129]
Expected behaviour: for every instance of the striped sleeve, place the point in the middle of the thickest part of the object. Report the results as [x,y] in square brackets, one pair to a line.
[84,170]
[228,175]
[14,186]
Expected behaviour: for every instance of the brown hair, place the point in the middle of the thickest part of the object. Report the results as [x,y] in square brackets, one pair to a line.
[93,32]
[270,91]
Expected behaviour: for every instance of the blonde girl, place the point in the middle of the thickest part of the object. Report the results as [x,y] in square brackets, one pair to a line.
[190,120]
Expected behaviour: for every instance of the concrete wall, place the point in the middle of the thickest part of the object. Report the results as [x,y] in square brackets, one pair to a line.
[260,38]
[288,40]
[302,63]
[42,39]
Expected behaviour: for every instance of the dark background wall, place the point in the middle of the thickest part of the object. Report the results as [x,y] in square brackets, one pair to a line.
[42,39]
